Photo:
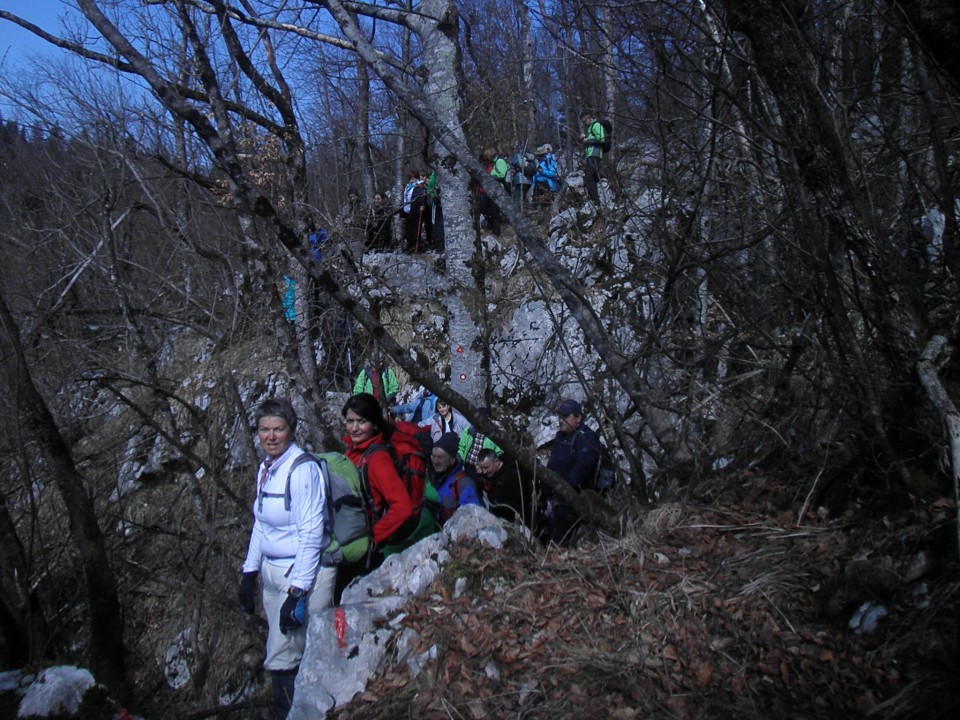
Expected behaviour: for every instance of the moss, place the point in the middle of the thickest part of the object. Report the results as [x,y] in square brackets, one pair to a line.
[475,579]
[457,569]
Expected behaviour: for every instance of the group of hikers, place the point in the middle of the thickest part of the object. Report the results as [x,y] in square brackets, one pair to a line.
[531,178]
[322,520]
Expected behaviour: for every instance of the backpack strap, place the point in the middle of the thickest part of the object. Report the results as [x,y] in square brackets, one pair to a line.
[461,476]
[376,383]
[364,473]
[301,459]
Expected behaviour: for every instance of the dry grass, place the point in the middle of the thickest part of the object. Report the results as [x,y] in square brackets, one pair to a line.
[705,612]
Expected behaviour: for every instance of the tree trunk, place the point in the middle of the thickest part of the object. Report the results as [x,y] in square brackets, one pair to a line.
[107,653]
[23,628]
[927,369]
[823,196]
[529,135]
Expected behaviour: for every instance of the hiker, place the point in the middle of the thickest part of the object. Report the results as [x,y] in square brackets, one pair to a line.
[509,492]
[422,407]
[288,298]
[592,138]
[368,437]
[434,227]
[352,211]
[379,226]
[445,420]
[379,381]
[472,441]
[546,179]
[352,223]
[497,167]
[285,547]
[414,211]
[574,457]
[524,166]
[317,239]
[453,485]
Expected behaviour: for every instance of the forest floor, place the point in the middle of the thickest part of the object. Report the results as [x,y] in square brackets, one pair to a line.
[716,608]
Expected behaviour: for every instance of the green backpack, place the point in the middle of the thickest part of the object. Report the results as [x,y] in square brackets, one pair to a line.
[351,525]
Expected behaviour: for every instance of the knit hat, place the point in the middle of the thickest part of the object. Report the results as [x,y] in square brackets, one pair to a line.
[449,442]
[542,150]
[569,407]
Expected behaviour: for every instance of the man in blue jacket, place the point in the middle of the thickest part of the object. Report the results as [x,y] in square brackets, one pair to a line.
[454,486]
[574,456]
[547,178]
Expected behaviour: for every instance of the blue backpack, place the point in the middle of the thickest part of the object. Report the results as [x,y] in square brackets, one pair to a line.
[524,163]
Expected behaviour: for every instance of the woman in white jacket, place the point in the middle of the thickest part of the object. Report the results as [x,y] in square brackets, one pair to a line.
[292,525]
[445,420]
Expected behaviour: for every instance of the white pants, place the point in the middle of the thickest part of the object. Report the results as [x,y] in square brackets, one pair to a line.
[284,651]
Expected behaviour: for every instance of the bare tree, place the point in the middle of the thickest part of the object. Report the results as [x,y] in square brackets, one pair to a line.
[37,425]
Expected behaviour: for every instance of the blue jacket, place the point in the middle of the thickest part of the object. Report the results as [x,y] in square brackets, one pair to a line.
[454,489]
[289,298]
[426,410]
[575,455]
[317,239]
[547,173]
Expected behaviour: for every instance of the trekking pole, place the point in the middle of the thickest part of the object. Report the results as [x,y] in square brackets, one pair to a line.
[416,244]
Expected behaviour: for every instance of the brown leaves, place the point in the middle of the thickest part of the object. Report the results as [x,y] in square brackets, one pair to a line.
[705,673]
[715,608]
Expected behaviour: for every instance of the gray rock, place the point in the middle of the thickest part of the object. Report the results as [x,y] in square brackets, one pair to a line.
[347,644]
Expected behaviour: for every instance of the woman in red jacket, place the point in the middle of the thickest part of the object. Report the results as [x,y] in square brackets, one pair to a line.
[398,520]
[366,428]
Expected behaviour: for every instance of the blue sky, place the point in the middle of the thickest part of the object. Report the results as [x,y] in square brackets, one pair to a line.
[21,50]
[18,45]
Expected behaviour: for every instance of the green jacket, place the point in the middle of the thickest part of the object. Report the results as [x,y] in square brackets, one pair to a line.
[594,141]
[468,438]
[388,380]
[433,189]
[500,169]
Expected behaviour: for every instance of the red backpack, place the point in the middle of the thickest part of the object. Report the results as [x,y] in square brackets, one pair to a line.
[410,460]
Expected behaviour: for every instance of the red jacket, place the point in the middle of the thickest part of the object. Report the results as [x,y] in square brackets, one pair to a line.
[392,503]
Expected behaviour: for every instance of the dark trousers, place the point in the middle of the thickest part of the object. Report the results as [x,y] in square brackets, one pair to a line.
[520,193]
[591,177]
[282,682]
[435,237]
[488,208]
[562,523]
[416,226]
[348,572]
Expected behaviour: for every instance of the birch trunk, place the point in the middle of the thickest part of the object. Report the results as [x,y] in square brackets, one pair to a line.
[465,301]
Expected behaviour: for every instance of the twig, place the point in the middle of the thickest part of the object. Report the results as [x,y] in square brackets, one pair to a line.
[809,497]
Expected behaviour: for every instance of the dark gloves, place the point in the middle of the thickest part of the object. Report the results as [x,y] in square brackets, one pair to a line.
[248,592]
[293,610]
